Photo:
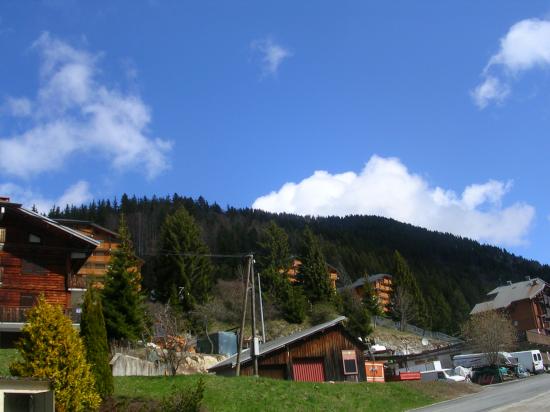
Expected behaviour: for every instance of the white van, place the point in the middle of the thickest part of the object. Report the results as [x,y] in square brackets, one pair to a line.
[531,360]
[479,360]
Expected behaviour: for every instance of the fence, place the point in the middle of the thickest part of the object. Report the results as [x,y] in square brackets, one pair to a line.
[416,330]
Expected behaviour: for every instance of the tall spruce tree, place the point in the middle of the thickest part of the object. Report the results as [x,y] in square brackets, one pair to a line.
[122,297]
[313,273]
[274,261]
[406,281]
[182,265]
[94,335]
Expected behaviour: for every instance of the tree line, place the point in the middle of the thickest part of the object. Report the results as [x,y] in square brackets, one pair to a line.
[451,273]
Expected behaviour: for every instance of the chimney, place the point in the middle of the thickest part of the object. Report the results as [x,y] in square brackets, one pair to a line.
[509,283]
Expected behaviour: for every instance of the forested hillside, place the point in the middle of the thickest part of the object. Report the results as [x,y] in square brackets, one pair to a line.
[454,273]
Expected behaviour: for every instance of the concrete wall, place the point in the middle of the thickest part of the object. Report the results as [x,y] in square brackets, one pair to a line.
[124,365]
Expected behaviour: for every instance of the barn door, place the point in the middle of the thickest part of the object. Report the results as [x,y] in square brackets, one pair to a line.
[308,369]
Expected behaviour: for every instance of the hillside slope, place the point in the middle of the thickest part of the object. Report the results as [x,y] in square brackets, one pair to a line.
[454,272]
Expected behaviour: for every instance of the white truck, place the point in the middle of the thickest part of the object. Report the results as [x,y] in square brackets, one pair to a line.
[531,360]
[479,360]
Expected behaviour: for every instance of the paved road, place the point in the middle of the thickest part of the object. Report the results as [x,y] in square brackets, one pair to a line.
[526,395]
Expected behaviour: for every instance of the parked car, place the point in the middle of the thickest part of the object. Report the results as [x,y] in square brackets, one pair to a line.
[441,375]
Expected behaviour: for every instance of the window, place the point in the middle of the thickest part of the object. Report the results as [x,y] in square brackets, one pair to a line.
[2,235]
[27,300]
[31,268]
[34,238]
[349,359]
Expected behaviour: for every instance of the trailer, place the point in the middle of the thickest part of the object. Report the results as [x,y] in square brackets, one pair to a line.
[480,360]
[531,360]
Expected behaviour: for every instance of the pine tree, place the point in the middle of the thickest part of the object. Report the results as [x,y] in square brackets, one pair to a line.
[51,348]
[182,264]
[405,280]
[359,318]
[94,335]
[122,298]
[370,300]
[313,273]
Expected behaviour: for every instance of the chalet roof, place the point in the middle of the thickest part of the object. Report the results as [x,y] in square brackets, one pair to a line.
[87,222]
[275,344]
[52,223]
[361,281]
[504,296]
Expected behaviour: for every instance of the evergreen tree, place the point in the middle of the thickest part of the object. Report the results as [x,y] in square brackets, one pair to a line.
[94,335]
[313,273]
[182,264]
[51,348]
[370,300]
[359,318]
[404,279]
[122,298]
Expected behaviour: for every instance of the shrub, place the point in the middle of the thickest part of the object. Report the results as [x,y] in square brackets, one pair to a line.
[51,348]
[182,400]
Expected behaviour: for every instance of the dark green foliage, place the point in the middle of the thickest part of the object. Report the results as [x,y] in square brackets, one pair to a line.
[313,273]
[404,278]
[183,272]
[370,300]
[122,299]
[322,312]
[359,318]
[94,335]
[274,261]
[462,270]
[183,400]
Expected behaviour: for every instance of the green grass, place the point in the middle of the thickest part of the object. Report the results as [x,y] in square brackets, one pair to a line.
[7,356]
[255,394]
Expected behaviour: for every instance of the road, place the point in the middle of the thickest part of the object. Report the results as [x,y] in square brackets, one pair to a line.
[526,395]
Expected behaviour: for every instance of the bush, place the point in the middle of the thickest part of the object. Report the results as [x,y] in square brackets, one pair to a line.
[322,312]
[51,348]
[182,400]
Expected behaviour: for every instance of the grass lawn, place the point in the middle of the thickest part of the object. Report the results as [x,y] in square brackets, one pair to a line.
[252,394]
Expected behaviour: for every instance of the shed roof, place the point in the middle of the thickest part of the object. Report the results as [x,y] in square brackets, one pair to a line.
[275,344]
[505,295]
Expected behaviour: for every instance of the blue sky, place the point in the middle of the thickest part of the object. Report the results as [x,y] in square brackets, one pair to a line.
[435,113]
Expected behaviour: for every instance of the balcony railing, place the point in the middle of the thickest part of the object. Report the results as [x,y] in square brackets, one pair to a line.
[19,314]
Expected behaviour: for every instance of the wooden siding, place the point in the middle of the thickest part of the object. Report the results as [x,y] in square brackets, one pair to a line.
[36,268]
[327,345]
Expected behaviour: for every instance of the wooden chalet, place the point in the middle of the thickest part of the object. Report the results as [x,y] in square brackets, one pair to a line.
[96,265]
[37,256]
[326,352]
[292,273]
[382,285]
[527,303]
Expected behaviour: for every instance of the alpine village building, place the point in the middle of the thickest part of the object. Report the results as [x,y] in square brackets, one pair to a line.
[37,256]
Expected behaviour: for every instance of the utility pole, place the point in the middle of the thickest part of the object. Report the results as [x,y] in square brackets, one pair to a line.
[241,331]
[255,346]
[261,308]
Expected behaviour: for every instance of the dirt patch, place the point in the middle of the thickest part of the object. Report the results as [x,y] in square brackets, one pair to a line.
[443,391]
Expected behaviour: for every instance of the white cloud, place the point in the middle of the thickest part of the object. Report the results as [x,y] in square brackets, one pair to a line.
[271,54]
[386,188]
[525,46]
[76,194]
[75,114]
[490,90]
[18,106]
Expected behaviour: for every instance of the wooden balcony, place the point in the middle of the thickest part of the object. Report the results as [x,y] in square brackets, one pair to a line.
[538,338]
[19,314]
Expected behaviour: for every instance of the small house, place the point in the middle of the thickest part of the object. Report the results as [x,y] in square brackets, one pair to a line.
[381,284]
[325,352]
